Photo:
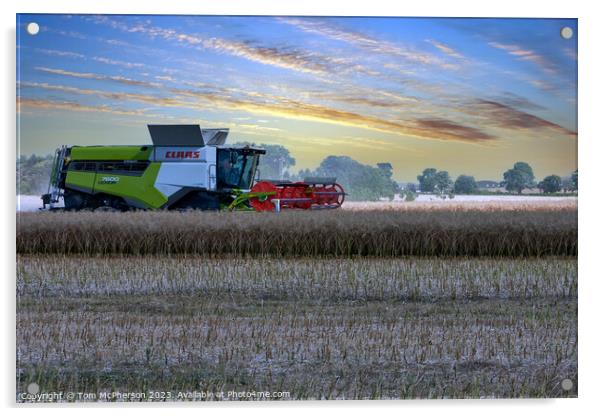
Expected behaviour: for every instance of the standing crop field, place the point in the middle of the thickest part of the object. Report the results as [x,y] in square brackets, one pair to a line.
[363,314]
[470,232]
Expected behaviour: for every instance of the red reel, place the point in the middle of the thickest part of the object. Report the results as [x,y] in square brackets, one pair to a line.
[263,203]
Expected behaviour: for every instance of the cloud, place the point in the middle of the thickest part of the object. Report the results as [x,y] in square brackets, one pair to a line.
[117,96]
[328,29]
[259,128]
[446,49]
[289,58]
[527,55]
[542,85]
[571,53]
[71,34]
[513,100]
[165,78]
[510,118]
[73,106]
[362,100]
[402,98]
[118,42]
[54,52]
[452,130]
[286,57]
[99,77]
[119,63]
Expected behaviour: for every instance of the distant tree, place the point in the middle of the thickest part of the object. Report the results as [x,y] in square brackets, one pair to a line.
[574,178]
[386,168]
[427,181]
[465,185]
[361,182]
[550,184]
[519,177]
[408,195]
[33,174]
[443,182]
[567,184]
[411,187]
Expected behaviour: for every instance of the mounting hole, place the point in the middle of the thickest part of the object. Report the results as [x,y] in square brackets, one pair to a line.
[33,388]
[33,28]
[567,384]
[566,32]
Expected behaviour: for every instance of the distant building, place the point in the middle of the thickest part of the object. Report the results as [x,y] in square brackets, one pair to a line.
[488,184]
[407,186]
[491,186]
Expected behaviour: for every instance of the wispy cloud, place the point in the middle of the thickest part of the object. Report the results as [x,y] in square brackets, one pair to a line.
[99,77]
[54,52]
[294,59]
[155,100]
[362,100]
[165,78]
[507,117]
[542,85]
[328,29]
[513,100]
[525,54]
[258,128]
[571,53]
[109,61]
[290,58]
[70,33]
[73,106]
[453,130]
[446,49]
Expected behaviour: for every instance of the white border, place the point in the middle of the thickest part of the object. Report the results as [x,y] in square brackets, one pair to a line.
[590,24]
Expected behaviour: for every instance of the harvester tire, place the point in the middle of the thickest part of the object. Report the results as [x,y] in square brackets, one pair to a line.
[74,200]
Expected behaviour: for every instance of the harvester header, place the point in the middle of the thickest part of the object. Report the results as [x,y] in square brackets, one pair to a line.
[186,167]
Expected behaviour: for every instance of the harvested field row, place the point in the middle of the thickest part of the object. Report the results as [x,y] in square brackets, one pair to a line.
[298,279]
[303,234]
[78,329]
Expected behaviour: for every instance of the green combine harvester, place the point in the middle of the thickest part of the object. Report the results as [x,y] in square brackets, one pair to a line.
[186,168]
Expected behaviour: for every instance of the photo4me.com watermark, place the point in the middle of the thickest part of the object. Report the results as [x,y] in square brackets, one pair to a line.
[33,395]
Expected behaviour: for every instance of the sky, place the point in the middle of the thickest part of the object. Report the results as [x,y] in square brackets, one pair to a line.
[470,96]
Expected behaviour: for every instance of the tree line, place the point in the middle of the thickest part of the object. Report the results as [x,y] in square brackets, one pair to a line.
[516,180]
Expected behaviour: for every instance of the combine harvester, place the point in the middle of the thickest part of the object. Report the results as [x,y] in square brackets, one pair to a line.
[186,168]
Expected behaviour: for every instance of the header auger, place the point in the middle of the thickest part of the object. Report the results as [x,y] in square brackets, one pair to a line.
[186,168]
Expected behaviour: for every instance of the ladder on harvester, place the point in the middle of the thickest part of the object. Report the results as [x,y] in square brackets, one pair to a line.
[54,189]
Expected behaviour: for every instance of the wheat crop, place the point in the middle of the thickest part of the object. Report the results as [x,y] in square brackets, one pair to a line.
[304,234]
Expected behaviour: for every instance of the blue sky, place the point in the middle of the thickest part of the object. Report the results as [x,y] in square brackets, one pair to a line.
[471,96]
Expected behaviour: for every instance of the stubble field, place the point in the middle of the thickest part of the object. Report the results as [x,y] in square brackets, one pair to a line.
[363,314]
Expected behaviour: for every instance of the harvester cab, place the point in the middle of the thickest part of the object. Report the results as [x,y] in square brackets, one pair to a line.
[236,167]
[187,167]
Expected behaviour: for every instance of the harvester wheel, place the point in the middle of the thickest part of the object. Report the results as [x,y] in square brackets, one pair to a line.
[74,200]
[341,194]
